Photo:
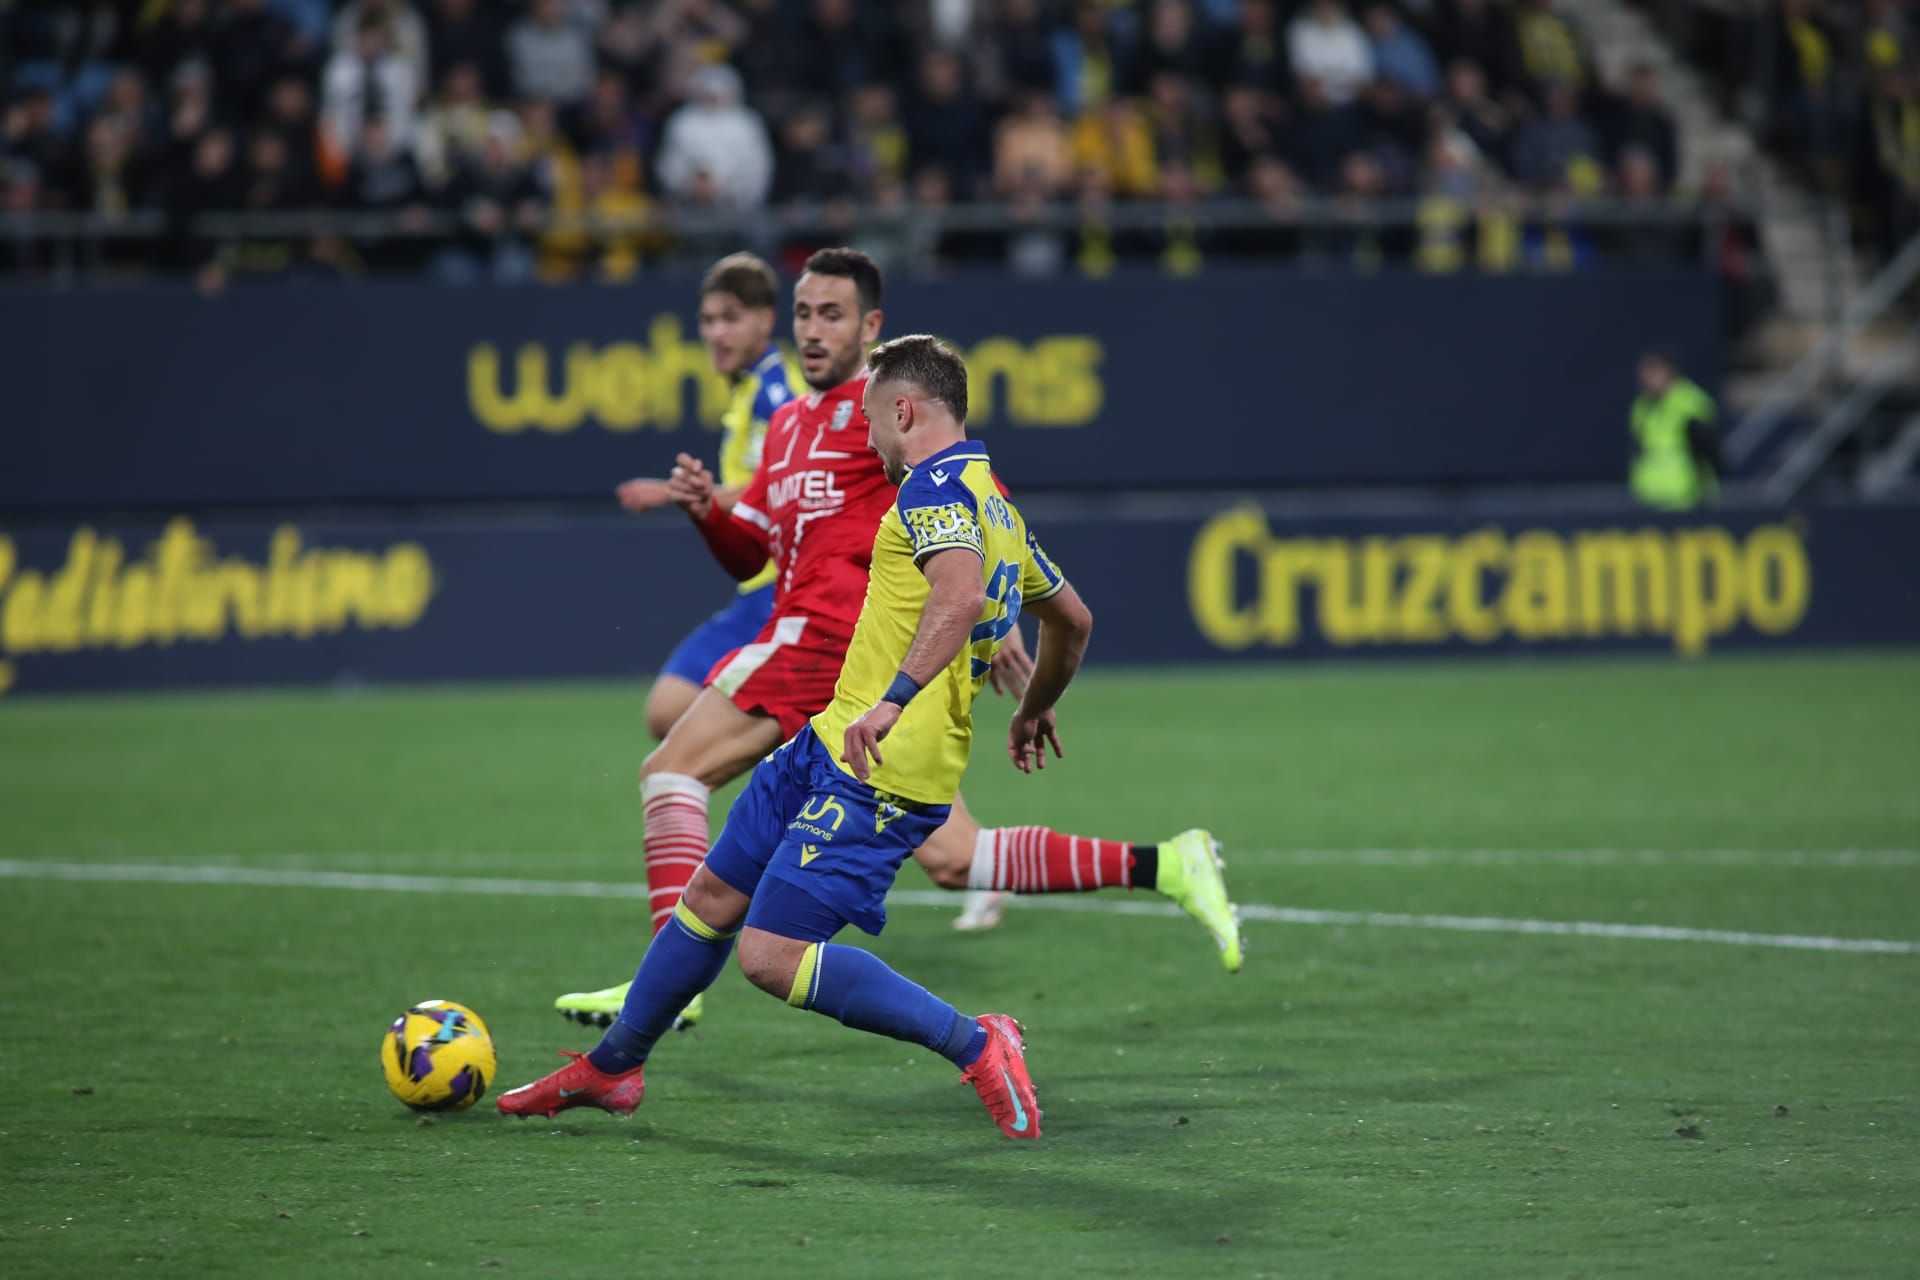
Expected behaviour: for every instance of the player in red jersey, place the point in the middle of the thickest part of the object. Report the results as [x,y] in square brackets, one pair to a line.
[813,507]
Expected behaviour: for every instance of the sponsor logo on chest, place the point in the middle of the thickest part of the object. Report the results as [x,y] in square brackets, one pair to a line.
[809,489]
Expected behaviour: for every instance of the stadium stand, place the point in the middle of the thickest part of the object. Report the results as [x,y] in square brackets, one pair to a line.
[566,139]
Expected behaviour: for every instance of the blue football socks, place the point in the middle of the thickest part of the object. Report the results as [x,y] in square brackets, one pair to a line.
[685,959]
[857,988]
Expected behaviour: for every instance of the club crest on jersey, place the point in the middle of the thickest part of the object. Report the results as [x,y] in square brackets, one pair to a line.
[949,523]
[842,414]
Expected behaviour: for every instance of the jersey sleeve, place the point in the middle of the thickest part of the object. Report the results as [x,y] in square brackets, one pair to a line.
[740,546]
[742,536]
[751,506]
[1040,578]
[939,513]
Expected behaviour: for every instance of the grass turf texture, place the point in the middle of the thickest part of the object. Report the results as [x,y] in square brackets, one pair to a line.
[192,1087]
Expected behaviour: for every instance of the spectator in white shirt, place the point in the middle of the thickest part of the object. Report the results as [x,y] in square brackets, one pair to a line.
[369,77]
[409,31]
[1325,44]
[715,150]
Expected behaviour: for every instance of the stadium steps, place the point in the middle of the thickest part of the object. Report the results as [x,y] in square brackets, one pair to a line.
[1896,468]
[1796,226]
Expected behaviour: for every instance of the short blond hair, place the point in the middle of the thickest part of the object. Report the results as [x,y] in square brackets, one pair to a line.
[928,364]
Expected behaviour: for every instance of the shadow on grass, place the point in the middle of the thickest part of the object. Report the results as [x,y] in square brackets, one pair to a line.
[1050,1176]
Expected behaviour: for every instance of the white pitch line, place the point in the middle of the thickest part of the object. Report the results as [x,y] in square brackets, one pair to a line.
[1826,859]
[161,873]
[1838,858]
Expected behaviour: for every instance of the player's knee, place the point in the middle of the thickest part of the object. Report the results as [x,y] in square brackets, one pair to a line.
[667,701]
[662,759]
[766,966]
[718,904]
[945,870]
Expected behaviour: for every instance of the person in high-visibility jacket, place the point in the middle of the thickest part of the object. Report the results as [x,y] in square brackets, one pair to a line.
[1678,463]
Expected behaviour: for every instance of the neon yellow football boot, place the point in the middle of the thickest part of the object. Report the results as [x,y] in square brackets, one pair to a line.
[599,1008]
[1189,874]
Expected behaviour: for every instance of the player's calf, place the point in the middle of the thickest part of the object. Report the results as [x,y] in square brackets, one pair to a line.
[684,960]
[1041,860]
[1186,869]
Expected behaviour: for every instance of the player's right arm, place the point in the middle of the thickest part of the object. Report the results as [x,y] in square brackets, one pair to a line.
[955,596]
[1066,625]
[739,536]
[746,425]
[643,494]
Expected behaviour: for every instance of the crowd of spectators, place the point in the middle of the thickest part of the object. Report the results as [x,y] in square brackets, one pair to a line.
[1835,88]
[482,118]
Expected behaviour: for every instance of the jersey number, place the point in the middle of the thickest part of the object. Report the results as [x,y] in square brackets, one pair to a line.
[1003,593]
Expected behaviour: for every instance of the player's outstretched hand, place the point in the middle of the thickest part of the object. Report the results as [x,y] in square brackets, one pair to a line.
[691,486]
[1028,739]
[863,738]
[1012,666]
[641,495]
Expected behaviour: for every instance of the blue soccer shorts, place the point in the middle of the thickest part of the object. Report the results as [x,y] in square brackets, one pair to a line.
[805,824]
[714,639]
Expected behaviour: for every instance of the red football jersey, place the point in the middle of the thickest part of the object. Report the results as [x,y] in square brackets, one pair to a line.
[818,497]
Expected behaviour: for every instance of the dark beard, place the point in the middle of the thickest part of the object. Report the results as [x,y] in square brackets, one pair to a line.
[836,376]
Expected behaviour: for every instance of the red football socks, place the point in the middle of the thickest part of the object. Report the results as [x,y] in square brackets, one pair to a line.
[676,838]
[1041,860]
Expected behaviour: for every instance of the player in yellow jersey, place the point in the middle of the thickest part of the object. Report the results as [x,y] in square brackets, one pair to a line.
[814,842]
[739,298]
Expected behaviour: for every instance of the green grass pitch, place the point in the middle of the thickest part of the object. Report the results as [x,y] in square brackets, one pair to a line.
[190,1083]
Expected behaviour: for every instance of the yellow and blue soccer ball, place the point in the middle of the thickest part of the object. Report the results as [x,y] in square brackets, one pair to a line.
[438,1056]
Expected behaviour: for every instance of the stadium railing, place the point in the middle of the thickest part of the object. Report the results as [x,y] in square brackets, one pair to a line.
[76,240]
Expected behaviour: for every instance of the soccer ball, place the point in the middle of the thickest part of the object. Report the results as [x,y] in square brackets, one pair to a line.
[437,1056]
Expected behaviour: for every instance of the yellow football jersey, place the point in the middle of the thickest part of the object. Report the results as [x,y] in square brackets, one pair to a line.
[949,501]
[756,394]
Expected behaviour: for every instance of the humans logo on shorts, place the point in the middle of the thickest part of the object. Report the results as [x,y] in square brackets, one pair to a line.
[819,809]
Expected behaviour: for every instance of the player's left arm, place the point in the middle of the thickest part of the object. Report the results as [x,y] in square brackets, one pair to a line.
[956,594]
[1012,665]
[1066,625]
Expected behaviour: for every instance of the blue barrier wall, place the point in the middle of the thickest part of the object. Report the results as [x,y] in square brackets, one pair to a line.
[180,602]
[393,392]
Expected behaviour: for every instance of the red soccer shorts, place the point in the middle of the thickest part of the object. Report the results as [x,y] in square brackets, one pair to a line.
[788,672]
